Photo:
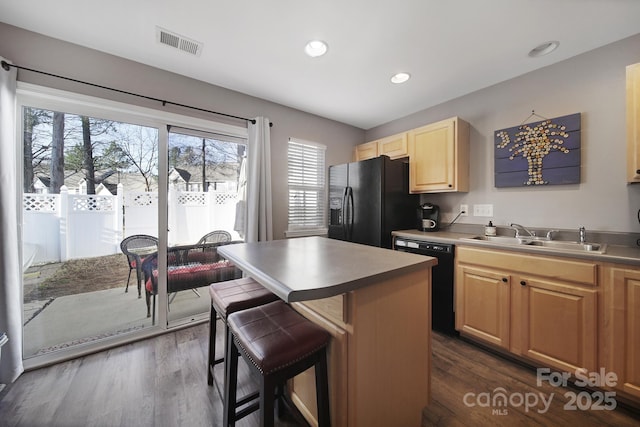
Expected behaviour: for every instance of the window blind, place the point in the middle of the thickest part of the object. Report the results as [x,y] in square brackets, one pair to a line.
[306,182]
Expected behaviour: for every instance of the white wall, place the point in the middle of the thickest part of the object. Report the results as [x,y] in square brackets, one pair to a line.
[592,84]
[33,50]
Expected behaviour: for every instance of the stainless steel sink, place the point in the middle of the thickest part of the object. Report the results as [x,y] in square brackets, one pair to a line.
[559,245]
[570,246]
[504,240]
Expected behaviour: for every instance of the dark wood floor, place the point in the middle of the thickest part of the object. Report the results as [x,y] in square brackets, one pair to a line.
[162,382]
[460,369]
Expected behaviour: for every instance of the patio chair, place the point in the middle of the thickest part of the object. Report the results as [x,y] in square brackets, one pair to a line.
[215,237]
[136,248]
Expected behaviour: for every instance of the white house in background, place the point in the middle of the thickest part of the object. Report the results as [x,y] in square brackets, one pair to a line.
[221,177]
[106,182]
[73,180]
[131,182]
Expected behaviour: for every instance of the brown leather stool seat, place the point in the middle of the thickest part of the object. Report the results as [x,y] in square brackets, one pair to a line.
[278,343]
[229,297]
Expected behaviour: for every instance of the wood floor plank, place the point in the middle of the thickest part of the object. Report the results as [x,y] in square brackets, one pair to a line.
[162,382]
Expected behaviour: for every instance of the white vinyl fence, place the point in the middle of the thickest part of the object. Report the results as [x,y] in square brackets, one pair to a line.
[59,227]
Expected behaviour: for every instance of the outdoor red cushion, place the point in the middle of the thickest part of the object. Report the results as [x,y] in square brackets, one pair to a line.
[195,276]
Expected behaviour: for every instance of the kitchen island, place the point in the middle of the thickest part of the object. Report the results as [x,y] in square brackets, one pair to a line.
[376,305]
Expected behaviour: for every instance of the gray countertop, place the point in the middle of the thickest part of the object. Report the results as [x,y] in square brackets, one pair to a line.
[614,253]
[310,268]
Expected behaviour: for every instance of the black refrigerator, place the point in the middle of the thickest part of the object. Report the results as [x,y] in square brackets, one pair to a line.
[369,199]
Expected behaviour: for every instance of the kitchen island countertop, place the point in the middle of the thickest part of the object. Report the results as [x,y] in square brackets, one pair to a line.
[310,268]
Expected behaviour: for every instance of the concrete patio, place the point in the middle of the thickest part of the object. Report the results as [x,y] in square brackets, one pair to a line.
[75,319]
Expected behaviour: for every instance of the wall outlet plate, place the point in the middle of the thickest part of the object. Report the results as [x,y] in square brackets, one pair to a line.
[464,208]
[483,210]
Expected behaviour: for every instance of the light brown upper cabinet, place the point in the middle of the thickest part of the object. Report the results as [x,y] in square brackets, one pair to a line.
[439,157]
[633,123]
[394,146]
[365,151]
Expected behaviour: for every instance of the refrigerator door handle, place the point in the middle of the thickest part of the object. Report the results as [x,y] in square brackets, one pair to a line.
[351,211]
[349,214]
[344,211]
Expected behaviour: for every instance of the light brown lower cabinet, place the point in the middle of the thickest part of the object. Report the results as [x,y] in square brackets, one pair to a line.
[560,313]
[621,330]
[379,356]
[541,308]
[559,324]
[483,304]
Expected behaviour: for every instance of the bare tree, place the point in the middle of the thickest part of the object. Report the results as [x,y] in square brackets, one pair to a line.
[88,165]
[114,158]
[71,143]
[140,146]
[86,153]
[32,152]
[57,154]
[27,141]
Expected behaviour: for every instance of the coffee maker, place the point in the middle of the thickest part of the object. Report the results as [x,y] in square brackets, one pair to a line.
[428,217]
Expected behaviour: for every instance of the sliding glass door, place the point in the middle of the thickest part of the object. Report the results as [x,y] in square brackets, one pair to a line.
[205,210]
[116,204]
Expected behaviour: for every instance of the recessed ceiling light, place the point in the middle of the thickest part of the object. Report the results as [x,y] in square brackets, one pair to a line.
[544,49]
[315,48]
[400,78]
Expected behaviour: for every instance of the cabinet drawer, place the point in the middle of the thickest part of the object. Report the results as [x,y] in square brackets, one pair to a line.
[565,269]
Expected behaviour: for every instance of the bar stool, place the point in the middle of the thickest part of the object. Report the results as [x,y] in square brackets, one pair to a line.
[278,343]
[229,297]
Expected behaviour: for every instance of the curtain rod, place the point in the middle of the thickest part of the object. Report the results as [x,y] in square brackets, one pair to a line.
[6,66]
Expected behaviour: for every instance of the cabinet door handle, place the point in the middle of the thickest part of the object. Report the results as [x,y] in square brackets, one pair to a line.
[523,283]
[504,279]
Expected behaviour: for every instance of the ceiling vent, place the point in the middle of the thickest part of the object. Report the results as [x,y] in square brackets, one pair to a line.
[177,41]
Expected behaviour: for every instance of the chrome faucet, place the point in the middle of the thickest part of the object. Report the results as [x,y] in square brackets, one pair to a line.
[518,227]
[550,234]
[583,234]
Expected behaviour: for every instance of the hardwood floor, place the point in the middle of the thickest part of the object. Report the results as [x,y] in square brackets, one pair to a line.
[159,382]
[162,382]
[460,369]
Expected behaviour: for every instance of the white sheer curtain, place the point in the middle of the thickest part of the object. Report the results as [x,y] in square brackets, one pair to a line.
[10,271]
[259,212]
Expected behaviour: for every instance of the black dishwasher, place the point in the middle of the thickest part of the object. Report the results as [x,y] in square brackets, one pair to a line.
[442,307]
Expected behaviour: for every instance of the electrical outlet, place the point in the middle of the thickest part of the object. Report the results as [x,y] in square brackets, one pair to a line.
[483,210]
[465,209]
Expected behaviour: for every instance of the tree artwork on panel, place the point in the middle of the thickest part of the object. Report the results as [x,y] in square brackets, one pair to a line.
[534,144]
[540,153]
